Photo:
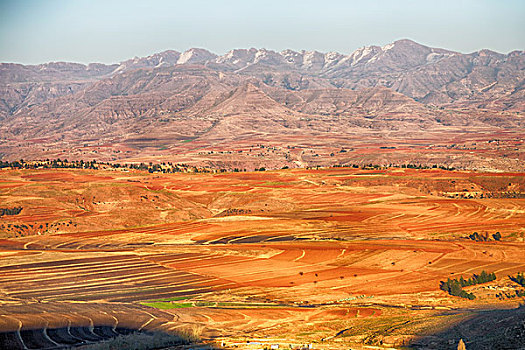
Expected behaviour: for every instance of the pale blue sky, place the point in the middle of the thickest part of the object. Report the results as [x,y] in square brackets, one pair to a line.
[36,31]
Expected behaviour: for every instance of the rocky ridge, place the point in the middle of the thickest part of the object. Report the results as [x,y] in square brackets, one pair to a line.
[257,94]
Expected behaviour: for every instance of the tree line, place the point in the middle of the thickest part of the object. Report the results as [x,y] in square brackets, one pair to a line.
[10,211]
[455,286]
[168,167]
[93,164]
[480,237]
[403,166]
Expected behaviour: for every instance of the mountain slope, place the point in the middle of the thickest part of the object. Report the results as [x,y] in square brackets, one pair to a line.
[430,75]
[23,86]
[186,106]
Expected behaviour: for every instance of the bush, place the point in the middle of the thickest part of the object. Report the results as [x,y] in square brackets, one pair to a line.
[10,211]
[519,279]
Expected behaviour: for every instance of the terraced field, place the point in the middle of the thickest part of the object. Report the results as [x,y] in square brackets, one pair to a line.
[336,257]
[61,325]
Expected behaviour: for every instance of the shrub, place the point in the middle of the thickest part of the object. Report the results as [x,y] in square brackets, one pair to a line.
[10,211]
[519,279]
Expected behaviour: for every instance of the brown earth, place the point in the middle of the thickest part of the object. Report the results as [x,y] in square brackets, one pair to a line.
[338,257]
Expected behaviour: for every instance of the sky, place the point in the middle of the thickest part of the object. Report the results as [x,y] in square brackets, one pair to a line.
[110,31]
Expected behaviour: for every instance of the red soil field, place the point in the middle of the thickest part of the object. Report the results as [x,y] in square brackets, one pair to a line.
[252,254]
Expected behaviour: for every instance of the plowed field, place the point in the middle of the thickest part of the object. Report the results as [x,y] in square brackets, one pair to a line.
[334,257]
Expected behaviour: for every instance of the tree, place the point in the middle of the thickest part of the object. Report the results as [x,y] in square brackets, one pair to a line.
[519,279]
[462,282]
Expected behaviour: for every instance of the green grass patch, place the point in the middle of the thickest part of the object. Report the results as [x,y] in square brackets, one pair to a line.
[166,306]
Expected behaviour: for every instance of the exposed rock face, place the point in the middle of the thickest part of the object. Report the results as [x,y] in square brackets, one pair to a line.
[196,56]
[162,59]
[252,93]
[25,86]
[434,76]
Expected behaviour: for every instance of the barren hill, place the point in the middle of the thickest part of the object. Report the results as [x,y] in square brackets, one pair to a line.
[170,105]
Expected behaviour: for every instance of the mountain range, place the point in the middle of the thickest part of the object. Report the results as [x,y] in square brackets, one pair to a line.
[176,103]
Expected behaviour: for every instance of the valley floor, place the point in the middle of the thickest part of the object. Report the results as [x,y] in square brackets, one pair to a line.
[329,258]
